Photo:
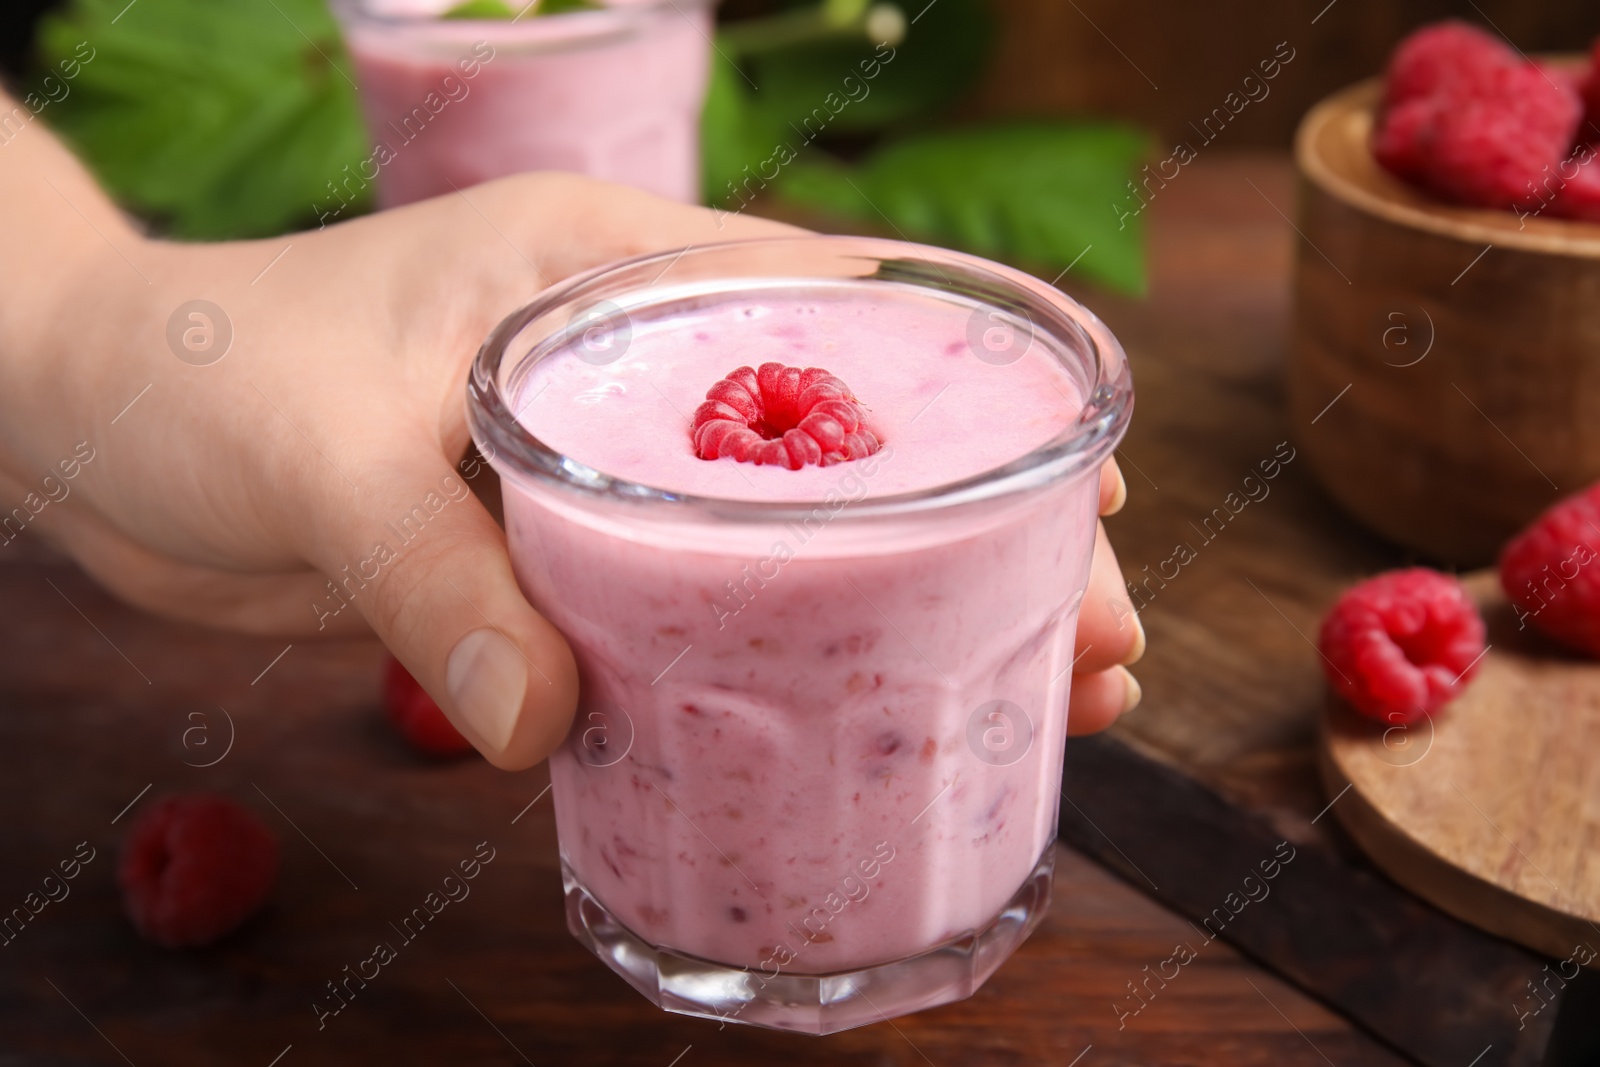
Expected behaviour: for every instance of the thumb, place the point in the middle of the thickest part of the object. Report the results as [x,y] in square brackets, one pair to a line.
[426,565]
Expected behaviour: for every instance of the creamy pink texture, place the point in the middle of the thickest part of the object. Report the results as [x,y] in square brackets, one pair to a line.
[946,414]
[612,94]
[811,782]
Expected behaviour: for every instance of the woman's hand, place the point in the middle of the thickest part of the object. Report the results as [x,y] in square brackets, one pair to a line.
[1110,635]
[306,481]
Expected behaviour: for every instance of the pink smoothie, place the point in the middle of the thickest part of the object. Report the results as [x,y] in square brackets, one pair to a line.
[812,782]
[613,94]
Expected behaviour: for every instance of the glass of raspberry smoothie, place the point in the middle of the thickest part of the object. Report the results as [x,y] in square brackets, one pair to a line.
[613,93]
[814,777]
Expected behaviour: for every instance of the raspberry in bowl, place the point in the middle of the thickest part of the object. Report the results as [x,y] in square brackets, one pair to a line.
[1444,330]
[815,773]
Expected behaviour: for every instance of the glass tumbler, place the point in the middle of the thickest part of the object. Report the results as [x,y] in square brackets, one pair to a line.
[612,93]
[841,806]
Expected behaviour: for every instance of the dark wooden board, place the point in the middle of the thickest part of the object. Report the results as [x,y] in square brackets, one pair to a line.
[1440,990]
[1196,787]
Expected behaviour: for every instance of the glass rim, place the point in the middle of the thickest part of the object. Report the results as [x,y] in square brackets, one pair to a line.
[517,453]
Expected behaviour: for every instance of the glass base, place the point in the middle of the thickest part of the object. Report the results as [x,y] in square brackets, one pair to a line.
[810,1003]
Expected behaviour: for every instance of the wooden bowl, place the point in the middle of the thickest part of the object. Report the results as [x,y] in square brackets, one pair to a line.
[1445,372]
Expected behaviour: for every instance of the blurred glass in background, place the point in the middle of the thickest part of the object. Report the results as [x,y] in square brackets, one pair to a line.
[232,118]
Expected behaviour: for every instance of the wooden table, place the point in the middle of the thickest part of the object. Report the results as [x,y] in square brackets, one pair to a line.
[95,700]
[1187,794]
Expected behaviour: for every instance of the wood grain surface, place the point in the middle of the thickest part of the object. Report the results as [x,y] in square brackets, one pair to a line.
[95,703]
[1210,779]
[1194,788]
[1491,808]
[1166,65]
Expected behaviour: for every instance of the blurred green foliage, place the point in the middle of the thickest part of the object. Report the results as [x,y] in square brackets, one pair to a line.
[228,118]
[216,118]
[502,9]
[762,90]
[1039,193]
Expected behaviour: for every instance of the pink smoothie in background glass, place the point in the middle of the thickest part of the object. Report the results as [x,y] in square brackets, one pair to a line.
[816,770]
[614,94]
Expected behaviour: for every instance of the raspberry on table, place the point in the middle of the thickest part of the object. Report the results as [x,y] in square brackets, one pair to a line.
[416,717]
[782,416]
[1401,645]
[195,867]
[1551,573]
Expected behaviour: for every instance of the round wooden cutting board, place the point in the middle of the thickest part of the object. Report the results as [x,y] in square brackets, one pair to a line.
[1491,809]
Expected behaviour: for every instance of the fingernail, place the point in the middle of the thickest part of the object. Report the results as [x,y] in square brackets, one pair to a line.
[1133,694]
[1136,653]
[486,678]
[1119,495]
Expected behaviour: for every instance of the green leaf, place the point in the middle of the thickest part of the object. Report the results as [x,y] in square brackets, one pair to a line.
[218,118]
[735,134]
[1039,193]
[764,90]
[500,9]
[940,57]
